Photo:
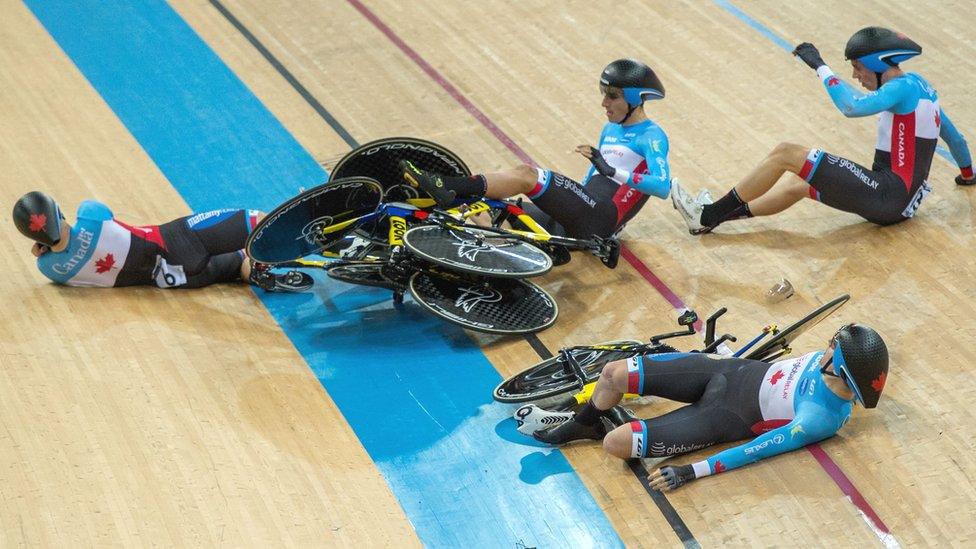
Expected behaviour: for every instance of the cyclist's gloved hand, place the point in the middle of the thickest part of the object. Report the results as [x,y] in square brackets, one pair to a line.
[600,163]
[962,178]
[670,477]
[808,53]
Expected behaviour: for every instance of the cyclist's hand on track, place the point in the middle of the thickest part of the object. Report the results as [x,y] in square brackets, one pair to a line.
[39,249]
[670,477]
[808,53]
[597,160]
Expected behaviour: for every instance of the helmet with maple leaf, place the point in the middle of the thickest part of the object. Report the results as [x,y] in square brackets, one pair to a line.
[861,359]
[38,217]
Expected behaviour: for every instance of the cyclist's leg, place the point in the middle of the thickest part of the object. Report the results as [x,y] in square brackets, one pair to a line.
[727,410]
[675,376]
[228,267]
[223,231]
[737,203]
[583,211]
[543,219]
[207,247]
[878,196]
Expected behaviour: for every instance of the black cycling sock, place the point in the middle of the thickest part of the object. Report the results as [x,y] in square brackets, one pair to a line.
[719,211]
[475,185]
[588,414]
[742,212]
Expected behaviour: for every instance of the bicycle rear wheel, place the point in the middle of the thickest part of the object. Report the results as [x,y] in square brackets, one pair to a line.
[781,341]
[491,305]
[380,160]
[477,251]
[297,228]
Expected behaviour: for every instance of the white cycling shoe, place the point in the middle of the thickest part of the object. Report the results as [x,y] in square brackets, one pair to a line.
[690,207]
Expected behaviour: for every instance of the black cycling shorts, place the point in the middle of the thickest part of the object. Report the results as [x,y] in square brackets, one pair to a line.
[584,210]
[203,248]
[880,196]
[723,394]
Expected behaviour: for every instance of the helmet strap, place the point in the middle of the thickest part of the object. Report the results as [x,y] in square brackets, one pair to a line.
[878,76]
[827,370]
[630,112]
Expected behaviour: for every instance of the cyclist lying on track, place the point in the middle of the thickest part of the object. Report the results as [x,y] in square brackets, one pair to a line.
[629,164]
[788,404]
[101,251]
[909,126]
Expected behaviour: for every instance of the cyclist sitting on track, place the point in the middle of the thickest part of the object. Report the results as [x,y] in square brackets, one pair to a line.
[629,164]
[789,404]
[909,126]
[101,251]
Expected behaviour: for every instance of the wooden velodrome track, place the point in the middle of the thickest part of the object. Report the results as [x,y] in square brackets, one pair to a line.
[141,417]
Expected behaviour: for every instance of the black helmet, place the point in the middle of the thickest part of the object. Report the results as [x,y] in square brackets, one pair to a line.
[861,359]
[879,48]
[636,79]
[38,217]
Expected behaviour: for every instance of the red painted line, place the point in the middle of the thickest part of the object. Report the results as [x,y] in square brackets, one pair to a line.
[846,486]
[652,278]
[437,77]
[831,467]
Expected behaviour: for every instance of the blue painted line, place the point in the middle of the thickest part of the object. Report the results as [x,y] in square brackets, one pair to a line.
[782,43]
[414,389]
[756,25]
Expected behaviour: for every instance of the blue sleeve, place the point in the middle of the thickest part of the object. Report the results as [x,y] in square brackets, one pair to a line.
[852,103]
[657,180]
[806,428]
[956,142]
[95,211]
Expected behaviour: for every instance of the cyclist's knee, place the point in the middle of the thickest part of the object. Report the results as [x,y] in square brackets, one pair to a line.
[615,376]
[790,156]
[796,187]
[525,172]
[619,442]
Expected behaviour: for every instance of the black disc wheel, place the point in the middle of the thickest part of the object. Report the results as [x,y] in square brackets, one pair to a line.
[491,305]
[477,251]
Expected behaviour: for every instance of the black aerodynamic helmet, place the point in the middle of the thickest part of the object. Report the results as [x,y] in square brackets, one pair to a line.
[879,48]
[637,80]
[38,217]
[861,359]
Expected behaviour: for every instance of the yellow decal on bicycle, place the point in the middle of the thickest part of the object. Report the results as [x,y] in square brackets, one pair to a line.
[421,202]
[476,208]
[339,226]
[534,227]
[586,394]
[398,226]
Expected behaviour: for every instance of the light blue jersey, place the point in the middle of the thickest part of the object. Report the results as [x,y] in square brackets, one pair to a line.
[639,153]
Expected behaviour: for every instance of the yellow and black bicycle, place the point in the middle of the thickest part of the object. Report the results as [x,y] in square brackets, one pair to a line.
[368,227]
[567,379]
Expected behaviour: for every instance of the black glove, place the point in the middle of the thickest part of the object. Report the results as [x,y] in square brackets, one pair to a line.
[600,163]
[677,475]
[808,53]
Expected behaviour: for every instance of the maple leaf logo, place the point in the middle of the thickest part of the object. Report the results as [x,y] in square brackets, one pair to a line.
[37,222]
[776,377]
[878,384]
[938,119]
[832,81]
[719,467]
[103,265]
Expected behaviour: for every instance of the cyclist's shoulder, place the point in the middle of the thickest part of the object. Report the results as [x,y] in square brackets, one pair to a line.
[94,210]
[908,86]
